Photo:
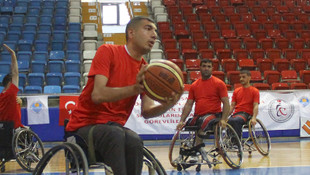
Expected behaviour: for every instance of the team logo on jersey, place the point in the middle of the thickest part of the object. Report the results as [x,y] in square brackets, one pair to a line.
[37,106]
[304,101]
[280,111]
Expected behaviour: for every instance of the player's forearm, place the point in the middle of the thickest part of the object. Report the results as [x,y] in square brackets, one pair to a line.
[226,110]
[186,110]
[255,112]
[155,110]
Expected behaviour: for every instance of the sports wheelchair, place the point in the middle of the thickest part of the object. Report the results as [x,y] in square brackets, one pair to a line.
[226,144]
[258,138]
[75,161]
[21,144]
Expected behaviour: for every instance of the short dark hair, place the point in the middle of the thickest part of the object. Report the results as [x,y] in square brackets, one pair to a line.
[134,21]
[6,80]
[206,61]
[244,71]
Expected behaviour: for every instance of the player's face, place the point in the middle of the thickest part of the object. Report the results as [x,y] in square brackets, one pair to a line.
[144,36]
[245,79]
[206,70]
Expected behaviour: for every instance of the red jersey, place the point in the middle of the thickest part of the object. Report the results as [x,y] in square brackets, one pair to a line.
[207,95]
[9,108]
[245,98]
[121,69]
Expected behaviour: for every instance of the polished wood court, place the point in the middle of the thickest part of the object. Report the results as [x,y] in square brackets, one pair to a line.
[291,155]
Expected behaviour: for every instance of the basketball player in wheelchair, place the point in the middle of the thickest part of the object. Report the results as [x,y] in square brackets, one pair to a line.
[208,93]
[244,110]
[16,141]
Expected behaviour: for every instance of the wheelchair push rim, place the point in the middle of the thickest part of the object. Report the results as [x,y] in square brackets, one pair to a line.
[28,149]
[230,150]
[260,137]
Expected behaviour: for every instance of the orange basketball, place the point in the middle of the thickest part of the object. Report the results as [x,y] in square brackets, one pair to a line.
[163,77]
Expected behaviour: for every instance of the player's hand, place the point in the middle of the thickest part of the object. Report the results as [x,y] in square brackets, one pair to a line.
[223,123]
[139,79]
[180,125]
[253,121]
[19,101]
[9,49]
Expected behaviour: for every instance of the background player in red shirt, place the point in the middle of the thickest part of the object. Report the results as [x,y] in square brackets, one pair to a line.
[114,83]
[9,102]
[244,103]
[208,93]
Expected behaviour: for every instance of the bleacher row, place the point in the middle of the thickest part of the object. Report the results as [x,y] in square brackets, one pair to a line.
[269,37]
[47,38]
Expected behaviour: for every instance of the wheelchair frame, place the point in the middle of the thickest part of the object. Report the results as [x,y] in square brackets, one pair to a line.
[184,145]
[23,145]
[258,139]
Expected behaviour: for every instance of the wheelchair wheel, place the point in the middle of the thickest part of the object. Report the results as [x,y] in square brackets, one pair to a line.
[229,145]
[154,166]
[260,137]
[28,149]
[76,161]
[180,140]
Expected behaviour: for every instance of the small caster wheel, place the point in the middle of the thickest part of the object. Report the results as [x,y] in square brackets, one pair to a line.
[179,167]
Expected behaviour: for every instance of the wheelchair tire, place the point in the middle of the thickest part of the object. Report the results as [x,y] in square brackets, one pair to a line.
[232,153]
[151,160]
[72,150]
[27,148]
[172,148]
[260,137]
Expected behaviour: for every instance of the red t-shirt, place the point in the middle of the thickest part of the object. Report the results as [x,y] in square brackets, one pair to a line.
[244,99]
[207,95]
[9,108]
[121,69]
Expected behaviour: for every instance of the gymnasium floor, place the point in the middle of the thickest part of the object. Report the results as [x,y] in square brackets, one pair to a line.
[287,156]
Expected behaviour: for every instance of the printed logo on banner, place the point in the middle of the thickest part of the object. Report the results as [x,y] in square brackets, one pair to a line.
[304,101]
[280,111]
[70,105]
[306,127]
[37,106]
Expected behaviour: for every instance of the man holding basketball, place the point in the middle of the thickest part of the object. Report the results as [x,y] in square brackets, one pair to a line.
[244,103]
[208,93]
[114,83]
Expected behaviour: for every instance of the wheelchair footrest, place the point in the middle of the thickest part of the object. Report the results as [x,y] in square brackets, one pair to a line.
[191,151]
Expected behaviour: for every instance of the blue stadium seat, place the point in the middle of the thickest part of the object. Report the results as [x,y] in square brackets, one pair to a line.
[73,66]
[13,35]
[2,36]
[55,66]
[4,27]
[61,3]
[2,75]
[25,45]
[58,45]
[72,35]
[35,3]
[5,56]
[24,55]
[54,79]
[23,3]
[1,88]
[60,26]
[33,90]
[21,90]
[38,66]
[61,10]
[73,45]
[72,78]
[11,44]
[59,35]
[40,56]
[36,79]
[18,19]
[45,27]
[29,36]
[48,3]
[23,65]
[41,45]
[20,9]
[44,35]
[22,79]
[74,27]
[52,89]
[57,55]
[46,19]
[16,27]
[71,89]
[5,67]
[32,27]
[73,55]
[32,18]
[60,19]
[5,19]
[47,10]
[6,10]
